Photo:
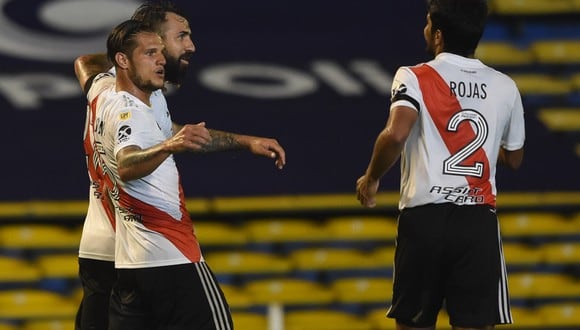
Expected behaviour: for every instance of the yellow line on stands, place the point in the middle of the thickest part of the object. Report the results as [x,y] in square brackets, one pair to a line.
[280,203]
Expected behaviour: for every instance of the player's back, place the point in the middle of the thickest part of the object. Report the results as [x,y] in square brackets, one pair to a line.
[465,111]
[98,236]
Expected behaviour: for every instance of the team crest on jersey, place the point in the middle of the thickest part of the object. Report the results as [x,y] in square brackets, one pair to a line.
[123,133]
[400,89]
[125,115]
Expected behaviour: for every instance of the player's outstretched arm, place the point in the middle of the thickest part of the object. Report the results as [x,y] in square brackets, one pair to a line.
[134,163]
[266,147]
[88,66]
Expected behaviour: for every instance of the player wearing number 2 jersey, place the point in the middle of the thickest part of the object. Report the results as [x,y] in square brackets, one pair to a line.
[450,121]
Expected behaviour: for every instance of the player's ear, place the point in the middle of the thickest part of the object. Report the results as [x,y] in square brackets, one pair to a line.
[438,37]
[122,60]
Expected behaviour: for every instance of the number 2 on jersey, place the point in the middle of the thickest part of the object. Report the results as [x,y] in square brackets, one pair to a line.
[453,164]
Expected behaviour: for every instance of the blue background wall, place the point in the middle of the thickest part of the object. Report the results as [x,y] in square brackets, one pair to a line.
[283,53]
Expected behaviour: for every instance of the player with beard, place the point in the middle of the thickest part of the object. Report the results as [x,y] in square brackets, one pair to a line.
[96,251]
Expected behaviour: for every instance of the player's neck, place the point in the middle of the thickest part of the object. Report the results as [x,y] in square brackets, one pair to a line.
[126,85]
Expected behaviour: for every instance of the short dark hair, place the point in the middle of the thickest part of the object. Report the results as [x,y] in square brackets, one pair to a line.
[123,38]
[154,13]
[461,21]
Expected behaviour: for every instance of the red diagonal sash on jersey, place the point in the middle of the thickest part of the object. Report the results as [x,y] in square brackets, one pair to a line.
[96,173]
[441,105]
[179,233]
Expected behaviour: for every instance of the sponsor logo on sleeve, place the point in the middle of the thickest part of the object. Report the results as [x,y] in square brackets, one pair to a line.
[124,133]
[125,115]
[399,90]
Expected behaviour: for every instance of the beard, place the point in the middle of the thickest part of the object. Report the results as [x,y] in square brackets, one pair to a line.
[429,49]
[144,85]
[175,71]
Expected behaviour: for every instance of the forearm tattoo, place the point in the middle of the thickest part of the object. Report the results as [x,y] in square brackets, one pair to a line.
[221,141]
[138,158]
[143,159]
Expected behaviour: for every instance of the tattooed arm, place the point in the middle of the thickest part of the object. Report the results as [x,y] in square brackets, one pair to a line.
[221,141]
[256,145]
[134,163]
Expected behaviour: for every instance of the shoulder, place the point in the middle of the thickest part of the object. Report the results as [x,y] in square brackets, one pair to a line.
[412,71]
[501,82]
[99,84]
[504,78]
[115,104]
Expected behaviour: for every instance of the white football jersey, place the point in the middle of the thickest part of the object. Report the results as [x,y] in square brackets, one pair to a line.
[153,227]
[98,236]
[467,111]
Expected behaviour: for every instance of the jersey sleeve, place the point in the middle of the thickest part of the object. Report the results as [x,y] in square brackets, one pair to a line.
[514,134]
[405,89]
[101,82]
[131,127]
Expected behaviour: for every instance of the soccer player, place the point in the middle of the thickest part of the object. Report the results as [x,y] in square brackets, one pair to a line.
[451,120]
[96,252]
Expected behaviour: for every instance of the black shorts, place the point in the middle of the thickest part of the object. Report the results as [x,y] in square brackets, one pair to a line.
[97,279]
[169,298]
[452,255]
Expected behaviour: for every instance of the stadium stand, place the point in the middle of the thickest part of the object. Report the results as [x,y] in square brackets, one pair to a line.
[18,273]
[35,304]
[6,326]
[239,266]
[289,292]
[37,237]
[325,320]
[48,325]
[363,290]
[248,320]
[527,7]
[328,261]
[503,53]
[362,230]
[561,315]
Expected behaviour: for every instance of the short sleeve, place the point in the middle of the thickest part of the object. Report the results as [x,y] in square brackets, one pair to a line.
[514,134]
[101,82]
[131,127]
[405,89]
